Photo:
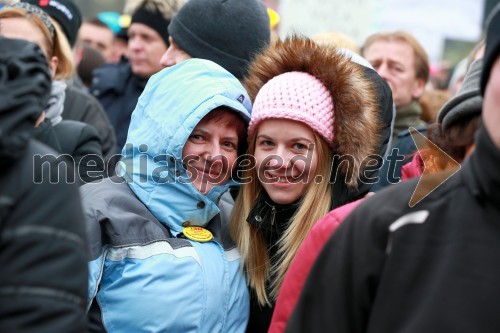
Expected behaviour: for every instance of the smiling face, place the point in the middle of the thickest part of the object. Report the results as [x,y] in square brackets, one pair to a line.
[212,149]
[286,158]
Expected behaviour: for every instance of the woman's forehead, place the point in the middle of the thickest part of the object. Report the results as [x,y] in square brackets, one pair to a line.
[22,28]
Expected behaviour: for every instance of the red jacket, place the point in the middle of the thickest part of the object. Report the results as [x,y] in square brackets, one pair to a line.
[302,263]
[413,169]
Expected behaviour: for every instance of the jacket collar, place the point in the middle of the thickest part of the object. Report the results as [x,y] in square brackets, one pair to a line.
[271,218]
[116,77]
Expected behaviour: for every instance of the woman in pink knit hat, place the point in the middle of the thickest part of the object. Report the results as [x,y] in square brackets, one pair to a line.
[312,105]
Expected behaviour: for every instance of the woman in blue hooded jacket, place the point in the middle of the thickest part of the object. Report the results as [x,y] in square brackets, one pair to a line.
[161,259]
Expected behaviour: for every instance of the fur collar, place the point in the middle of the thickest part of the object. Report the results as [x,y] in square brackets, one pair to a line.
[357,125]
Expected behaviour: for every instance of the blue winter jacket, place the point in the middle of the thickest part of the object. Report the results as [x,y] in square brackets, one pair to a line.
[144,275]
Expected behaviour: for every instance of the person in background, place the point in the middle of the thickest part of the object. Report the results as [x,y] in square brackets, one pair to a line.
[348,47]
[430,268]
[75,140]
[78,104]
[118,23]
[400,59]
[43,280]
[160,227]
[455,129]
[241,32]
[294,134]
[118,86]
[457,76]
[90,60]
[99,36]
[463,66]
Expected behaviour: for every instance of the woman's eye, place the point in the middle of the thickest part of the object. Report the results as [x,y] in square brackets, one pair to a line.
[229,144]
[196,137]
[300,146]
[267,143]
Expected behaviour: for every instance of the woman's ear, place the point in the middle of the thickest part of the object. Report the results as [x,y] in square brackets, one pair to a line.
[53,62]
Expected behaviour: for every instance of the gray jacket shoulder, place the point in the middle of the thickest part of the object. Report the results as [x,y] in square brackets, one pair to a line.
[114,216]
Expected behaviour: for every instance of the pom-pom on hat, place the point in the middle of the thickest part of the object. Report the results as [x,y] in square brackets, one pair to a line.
[295,96]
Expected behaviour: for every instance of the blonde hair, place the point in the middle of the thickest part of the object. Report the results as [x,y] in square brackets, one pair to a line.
[54,47]
[251,242]
[337,39]
[166,8]
[431,102]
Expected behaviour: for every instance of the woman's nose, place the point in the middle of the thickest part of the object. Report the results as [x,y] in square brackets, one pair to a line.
[212,151]
[281,158]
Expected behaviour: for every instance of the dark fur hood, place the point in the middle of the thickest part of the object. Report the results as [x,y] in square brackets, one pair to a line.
[357,124]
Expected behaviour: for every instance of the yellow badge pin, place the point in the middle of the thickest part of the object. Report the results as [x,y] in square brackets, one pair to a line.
[197,234]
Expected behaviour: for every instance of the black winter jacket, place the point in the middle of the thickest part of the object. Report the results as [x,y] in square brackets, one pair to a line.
[81,106]
[118,90]
[43,277]
[78,145]
[430,268]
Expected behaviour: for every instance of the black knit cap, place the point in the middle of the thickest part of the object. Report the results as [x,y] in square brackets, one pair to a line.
[153,19]
[65,12]
[227,32]
[492,45]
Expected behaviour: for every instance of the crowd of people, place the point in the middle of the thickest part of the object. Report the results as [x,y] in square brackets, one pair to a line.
[193,172]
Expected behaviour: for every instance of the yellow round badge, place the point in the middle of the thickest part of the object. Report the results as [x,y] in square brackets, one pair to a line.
[197,234]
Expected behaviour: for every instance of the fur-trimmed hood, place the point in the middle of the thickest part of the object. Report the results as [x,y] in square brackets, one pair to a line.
[357,125]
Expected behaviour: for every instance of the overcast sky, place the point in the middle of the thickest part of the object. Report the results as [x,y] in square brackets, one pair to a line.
[430,21]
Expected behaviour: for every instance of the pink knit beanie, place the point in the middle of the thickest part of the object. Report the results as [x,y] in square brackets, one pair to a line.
[295,96]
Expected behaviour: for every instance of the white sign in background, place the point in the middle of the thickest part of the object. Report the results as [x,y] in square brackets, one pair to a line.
[430,21]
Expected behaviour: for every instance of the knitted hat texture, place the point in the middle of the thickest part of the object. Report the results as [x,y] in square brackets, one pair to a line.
[468,100]
[152,18]
[228,32]
[295,96]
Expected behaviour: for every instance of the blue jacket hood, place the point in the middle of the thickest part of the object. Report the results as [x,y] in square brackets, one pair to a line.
[172,104]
